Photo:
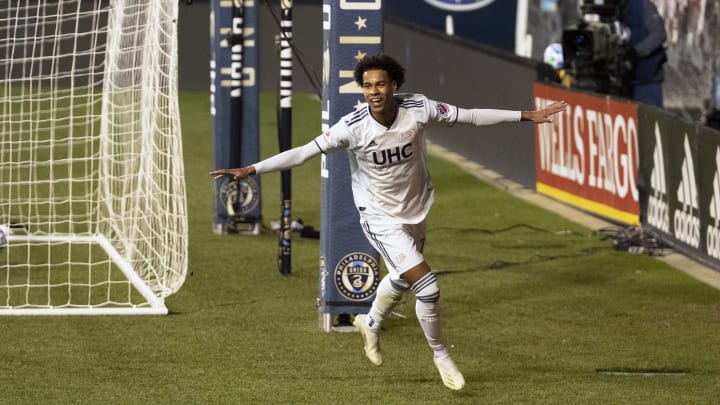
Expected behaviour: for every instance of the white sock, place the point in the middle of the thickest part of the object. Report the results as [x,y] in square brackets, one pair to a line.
[427,293]
[388,295]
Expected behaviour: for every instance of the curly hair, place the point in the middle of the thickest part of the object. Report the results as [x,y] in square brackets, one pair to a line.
[381,61]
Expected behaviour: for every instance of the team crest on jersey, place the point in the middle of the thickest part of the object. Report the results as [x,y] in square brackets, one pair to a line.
[357,276]
[407,135]
[443,110]
[240,196]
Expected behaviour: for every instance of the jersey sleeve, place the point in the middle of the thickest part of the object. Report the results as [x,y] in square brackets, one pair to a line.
[448,114]
[288,159]
[480,117]
[441,113]
[336,138]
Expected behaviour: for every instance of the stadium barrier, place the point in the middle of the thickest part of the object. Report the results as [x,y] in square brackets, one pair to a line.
[633,164]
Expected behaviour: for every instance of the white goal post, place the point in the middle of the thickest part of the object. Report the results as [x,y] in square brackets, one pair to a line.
[92,189]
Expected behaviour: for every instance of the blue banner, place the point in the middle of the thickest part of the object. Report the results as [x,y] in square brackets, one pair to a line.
[234,106]
[349,266]
[489,22]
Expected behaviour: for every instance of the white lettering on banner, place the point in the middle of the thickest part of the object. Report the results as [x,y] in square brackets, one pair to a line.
[350,87]
[712,242]
[248,37]
[658,209]
[579,141]
[237,25]
[658,213]
[687,227]
[326,12]
[687,224]
[600,134]
[236,71]
[609,159]
[561,154]
[240,76]
[712,234]
[360,5]
[606,168]
[248,77]
[625,133]
[591,117]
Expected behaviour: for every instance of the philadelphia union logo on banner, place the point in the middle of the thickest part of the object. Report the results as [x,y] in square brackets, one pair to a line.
[357,276]
[240,197]
[459,5]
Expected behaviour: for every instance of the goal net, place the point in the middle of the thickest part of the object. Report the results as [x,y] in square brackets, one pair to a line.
[92,193]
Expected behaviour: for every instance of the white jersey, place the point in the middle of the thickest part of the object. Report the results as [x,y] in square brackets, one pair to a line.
[391,182]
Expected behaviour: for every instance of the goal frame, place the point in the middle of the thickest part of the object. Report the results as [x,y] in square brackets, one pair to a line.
[156,304]
[92,179]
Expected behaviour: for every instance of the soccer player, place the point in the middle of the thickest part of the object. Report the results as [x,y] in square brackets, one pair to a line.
[393,191]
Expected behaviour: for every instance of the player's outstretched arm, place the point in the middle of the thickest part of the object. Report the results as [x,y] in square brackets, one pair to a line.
[545,114]
[281,161]
[482,117]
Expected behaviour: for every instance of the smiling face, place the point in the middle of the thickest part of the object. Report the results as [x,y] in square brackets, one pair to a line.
[378,91]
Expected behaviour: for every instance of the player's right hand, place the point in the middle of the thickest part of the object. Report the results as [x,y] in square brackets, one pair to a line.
[236,174]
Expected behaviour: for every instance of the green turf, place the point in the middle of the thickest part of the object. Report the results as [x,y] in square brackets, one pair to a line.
[538,310]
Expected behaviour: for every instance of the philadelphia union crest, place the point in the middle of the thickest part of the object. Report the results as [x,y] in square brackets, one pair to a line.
[459,5]
[240,196]
[357,276]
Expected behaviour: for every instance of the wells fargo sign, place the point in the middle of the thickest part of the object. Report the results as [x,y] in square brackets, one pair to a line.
[589,156]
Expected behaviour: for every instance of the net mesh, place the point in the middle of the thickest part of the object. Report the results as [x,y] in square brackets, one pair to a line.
[91,175]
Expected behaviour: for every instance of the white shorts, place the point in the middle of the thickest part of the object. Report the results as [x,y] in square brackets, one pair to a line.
[400,245]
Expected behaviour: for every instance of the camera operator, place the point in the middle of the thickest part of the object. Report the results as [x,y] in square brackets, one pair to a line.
[617,48]
[646,50]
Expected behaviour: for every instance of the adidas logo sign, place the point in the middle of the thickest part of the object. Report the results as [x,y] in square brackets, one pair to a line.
[686,221]
[712,243]
[658,211]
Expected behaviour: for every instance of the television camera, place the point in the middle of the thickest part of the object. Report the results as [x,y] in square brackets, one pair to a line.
[595,50]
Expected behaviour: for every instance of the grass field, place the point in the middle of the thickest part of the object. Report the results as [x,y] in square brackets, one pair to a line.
[538,310]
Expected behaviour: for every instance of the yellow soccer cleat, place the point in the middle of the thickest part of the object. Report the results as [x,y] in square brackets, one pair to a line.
[371,339]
